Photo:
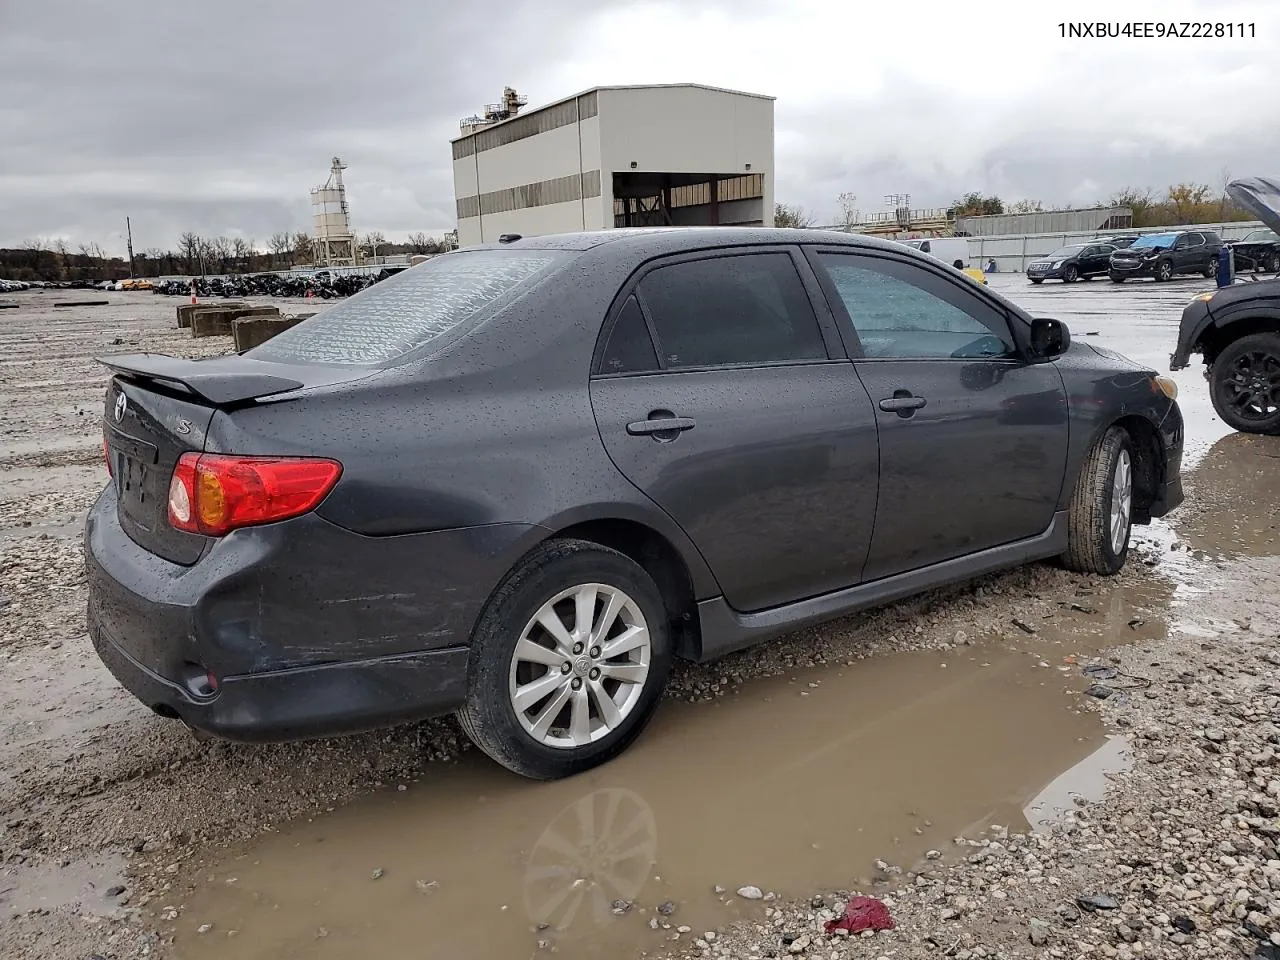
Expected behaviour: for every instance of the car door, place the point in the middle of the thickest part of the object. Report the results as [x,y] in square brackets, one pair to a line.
[1097,259]
[723,392]
[1188,253]
[973,437]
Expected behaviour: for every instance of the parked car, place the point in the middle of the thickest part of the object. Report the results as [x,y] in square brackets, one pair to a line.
[1236,329]
[1162,256]
[1258,250]
[1077,261]
[516,480]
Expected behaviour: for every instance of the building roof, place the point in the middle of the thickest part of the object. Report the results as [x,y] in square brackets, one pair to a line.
[634,86]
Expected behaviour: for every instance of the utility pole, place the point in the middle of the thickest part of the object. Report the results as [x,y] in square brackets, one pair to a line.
[129,228]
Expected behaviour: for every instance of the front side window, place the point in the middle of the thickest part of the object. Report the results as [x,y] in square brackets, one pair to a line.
[740,309]
[898,311]
[428,302]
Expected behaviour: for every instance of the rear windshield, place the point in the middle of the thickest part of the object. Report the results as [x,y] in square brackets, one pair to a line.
[431,302]
[1261,236]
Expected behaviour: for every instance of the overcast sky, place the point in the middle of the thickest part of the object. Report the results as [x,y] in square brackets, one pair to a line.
[220,117]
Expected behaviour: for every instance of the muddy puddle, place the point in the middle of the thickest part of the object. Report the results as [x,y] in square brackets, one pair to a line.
[791,785]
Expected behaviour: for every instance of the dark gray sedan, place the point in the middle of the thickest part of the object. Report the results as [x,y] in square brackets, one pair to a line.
[516,480]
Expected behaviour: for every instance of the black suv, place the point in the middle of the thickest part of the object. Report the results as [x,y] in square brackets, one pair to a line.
[1237,331]
[1071,263]
[1163,255]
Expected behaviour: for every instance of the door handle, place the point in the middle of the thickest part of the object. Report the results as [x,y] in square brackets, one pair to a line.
[660,422]
[902,405]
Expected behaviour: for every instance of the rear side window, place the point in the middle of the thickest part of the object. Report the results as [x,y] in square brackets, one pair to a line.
[741,309]
[432,301]
[629,348]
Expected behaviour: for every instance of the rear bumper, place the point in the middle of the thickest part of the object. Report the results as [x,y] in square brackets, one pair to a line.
[303,702]
[310,630]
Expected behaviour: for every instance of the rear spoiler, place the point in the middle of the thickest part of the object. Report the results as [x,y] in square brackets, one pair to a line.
[217,380]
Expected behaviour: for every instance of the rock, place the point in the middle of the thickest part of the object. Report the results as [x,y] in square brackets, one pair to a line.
[1099,691]
[621,906]
[1039,933]
[800,944]
[1215,735]
[750,893]
[377,874]
[1098,901]
[204,928]
[1068,913]
[666,908]
[115,891]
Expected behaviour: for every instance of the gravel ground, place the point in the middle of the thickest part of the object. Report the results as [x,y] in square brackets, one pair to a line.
[96,794]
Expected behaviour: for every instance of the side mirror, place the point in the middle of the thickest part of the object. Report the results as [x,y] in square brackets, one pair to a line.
[1049,338]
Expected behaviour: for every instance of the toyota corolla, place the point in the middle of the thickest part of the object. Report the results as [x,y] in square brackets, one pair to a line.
[515,481]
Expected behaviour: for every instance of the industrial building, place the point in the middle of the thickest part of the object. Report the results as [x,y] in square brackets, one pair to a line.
[675,154]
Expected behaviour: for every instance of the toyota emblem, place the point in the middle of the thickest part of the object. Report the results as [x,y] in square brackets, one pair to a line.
[121,404]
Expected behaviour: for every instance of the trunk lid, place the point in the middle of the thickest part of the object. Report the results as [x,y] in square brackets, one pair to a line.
[157,408]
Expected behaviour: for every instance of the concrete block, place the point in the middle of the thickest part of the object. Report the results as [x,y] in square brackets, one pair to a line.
[212,322]
[185,310]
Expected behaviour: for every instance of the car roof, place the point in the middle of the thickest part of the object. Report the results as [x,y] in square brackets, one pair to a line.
[675,239]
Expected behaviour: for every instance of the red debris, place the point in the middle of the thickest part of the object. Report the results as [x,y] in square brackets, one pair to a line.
[862,913]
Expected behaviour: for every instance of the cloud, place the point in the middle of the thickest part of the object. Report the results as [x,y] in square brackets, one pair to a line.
[220,118]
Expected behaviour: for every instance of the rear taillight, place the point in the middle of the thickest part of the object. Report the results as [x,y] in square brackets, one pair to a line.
[106,456]
[213,494]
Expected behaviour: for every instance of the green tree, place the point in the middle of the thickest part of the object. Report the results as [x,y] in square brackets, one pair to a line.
[976,205]
[790,216]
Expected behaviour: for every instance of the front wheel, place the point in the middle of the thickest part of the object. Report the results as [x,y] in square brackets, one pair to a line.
[1164,271]
[1244,384]
[1273,263]
[1071,274]
[1117,278]
[1037,280]
[1100,517]
[568,661]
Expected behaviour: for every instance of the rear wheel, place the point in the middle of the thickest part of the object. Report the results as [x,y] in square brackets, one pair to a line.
[1100,517]
[1210,269]
[568,661]
[1070,274]
[1244,384]
[1164,271]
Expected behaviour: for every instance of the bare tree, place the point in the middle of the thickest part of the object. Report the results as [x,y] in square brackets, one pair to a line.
[280,244]
[241,254]
[371,241]
[420,243]
[849,214]
[190,246]
[1026,206]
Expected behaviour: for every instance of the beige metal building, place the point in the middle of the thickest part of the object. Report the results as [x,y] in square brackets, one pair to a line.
[678,154]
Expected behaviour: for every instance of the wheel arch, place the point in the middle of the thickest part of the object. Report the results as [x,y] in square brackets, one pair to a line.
[1148,462]
[1223,331]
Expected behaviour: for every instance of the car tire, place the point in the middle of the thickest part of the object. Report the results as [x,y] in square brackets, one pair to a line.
[1037,281]
[1100,517]
[511,710]
[1070,274]
[1116,278]
[1210,270]
[1163,271]
[1259,353]
[1274,263]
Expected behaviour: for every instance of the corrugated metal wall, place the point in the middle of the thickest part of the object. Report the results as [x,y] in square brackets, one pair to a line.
[1060,221]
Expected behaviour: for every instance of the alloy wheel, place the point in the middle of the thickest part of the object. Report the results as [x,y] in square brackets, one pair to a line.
[1252,385]
[580,666]
[1121,501]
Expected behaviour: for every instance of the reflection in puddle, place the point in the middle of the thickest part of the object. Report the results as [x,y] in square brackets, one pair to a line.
[1086,781]
[790,785]
[1239,513]
[595,853]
